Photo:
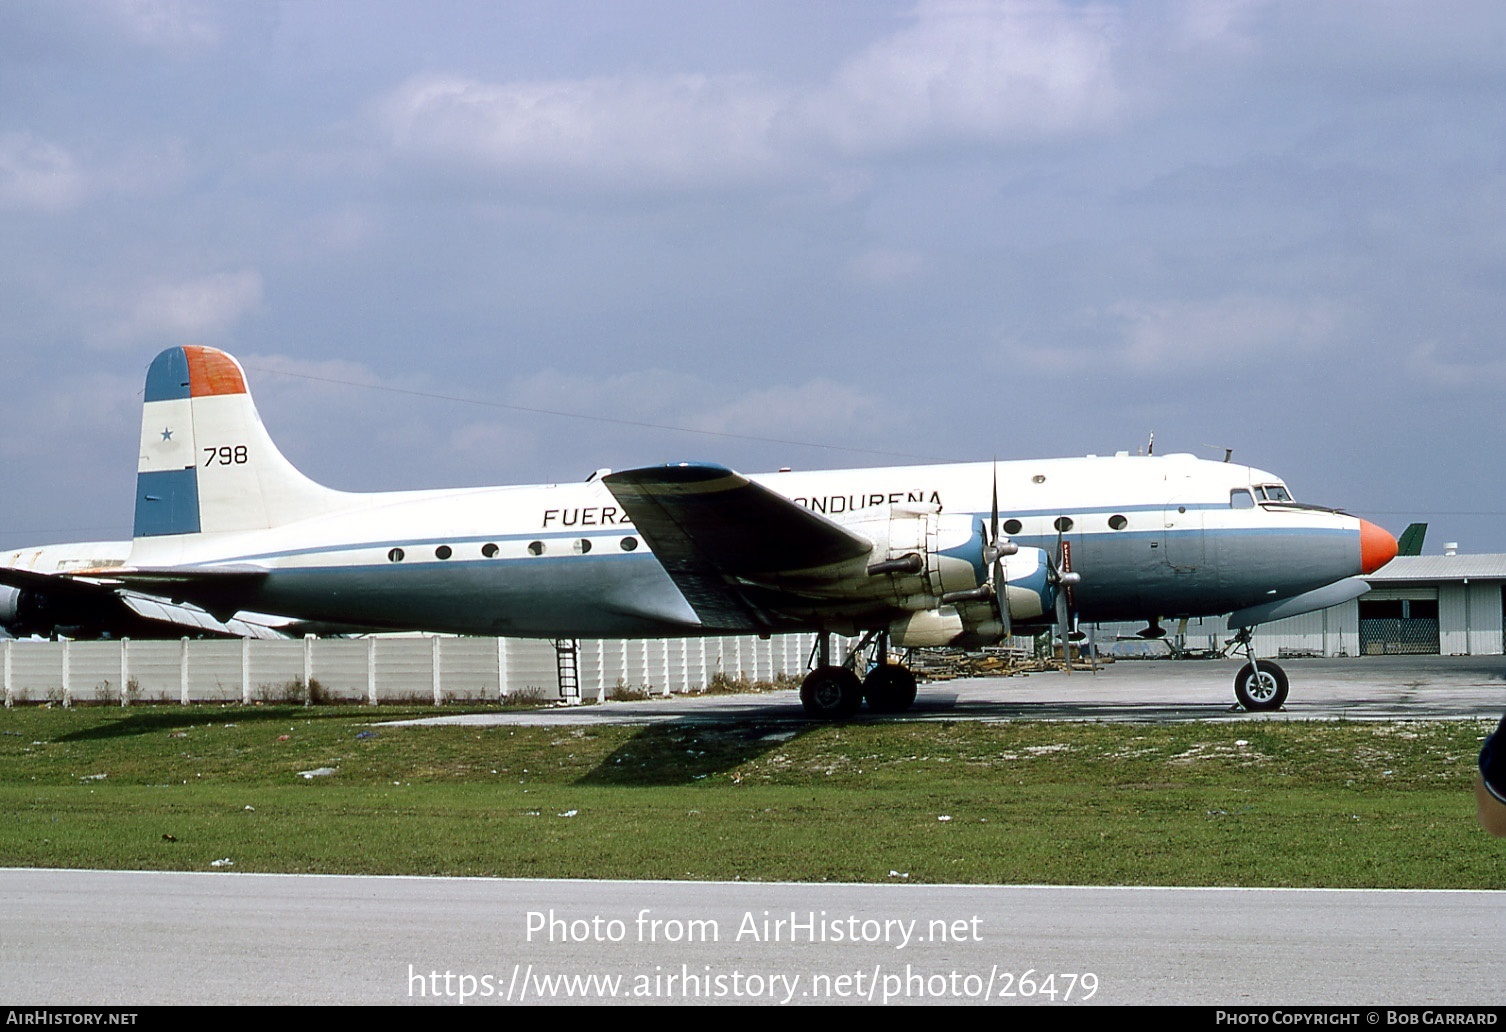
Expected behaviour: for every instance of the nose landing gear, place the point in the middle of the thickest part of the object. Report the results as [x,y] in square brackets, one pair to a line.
[1260,686]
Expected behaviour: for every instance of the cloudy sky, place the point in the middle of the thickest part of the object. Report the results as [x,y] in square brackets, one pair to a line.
[443,237]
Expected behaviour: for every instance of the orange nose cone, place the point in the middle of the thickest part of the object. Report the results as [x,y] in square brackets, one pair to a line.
[1377,548]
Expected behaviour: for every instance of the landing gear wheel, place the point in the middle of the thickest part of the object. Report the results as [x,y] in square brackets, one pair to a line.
[831,693]
[889,689]
[1262,692]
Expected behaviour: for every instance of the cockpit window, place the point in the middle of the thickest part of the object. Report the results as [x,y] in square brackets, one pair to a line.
[1273,493]
[1241,499]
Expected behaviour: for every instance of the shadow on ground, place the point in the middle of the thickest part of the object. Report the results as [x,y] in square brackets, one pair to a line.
[680,754]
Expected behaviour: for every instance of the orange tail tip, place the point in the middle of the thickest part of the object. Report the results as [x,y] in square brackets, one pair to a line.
[211,371]
[1377,547]
[193,372]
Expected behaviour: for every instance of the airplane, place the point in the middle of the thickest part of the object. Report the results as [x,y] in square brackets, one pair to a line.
[911,556]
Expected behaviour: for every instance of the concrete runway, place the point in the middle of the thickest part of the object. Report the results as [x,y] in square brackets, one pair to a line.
[1372,688]
[142,938]
[135,938]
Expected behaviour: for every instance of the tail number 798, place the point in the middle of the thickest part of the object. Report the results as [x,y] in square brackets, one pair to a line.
[225,455]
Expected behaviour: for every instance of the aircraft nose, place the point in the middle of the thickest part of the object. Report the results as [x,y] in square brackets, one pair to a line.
[1377,547]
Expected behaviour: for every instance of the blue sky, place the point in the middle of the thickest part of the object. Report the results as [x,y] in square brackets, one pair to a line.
[806,235]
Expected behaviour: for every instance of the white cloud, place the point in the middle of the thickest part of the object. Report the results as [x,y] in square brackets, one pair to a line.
[44,176]
[73,405]
[172,25]
[987,73]
[1225,329]
[200,310]
[990,72]
[37,174]
[678,130]
[817,411]
[1226,26]
[489,443]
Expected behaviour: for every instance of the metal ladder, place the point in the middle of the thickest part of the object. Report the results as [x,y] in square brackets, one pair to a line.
[567,663]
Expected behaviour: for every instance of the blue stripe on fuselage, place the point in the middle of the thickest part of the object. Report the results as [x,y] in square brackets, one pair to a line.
[1046,542]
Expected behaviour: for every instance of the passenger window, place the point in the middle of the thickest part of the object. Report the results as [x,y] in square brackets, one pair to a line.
[1241,499]
[489,550]
[535,548]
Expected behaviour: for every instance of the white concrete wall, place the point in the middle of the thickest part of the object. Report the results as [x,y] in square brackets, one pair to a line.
[399,669]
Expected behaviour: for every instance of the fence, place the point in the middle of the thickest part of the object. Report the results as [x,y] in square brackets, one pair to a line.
[376,670]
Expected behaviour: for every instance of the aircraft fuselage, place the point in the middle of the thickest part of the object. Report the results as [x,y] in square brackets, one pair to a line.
[1151,536]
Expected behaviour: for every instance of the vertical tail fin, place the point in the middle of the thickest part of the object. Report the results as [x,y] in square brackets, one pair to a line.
[1411,539]
[207,464]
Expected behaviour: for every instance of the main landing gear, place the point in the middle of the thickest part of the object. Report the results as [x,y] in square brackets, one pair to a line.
[831,692]
[1260,685]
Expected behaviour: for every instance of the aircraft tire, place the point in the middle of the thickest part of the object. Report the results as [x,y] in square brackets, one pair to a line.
[831,693]
[1262,694]
[889,689]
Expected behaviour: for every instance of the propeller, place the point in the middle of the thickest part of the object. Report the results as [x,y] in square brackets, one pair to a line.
[1060,574]
[994,553]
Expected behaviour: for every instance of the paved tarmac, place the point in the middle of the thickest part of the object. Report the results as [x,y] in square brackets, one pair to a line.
[138,938]
[1370,688]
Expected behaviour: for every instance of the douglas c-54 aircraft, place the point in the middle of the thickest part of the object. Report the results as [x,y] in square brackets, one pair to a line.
[957,554]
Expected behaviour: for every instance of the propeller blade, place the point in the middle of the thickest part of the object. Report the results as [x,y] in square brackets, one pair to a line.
[1001,597]
[1062,628]
[993,524]
[1062,577]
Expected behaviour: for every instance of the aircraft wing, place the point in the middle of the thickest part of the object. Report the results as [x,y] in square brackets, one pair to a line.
[712,529]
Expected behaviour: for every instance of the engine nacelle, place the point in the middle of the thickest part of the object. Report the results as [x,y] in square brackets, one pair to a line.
[1028,593]
[935,566]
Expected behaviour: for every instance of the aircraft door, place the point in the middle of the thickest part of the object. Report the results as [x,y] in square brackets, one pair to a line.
[1182,544]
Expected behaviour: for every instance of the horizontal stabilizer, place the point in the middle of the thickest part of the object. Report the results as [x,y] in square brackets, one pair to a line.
[220,590]
[193,619]
[55,585]
[82,599]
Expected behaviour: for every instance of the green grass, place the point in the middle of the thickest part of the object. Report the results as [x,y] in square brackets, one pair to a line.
[1253,803]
